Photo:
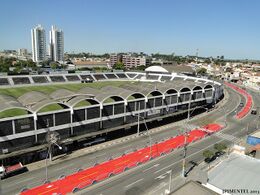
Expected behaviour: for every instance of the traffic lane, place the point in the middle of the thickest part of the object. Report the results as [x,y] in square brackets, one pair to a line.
[72,165]
[166,163]
[54,171]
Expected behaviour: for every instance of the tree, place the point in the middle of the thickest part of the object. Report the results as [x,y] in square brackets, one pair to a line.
[208,154]
[220,147]
[119,66]
[54,65]
[202,71]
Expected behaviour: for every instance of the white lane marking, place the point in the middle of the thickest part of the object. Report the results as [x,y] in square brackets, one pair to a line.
[93,157]
[64,167]
[26,179]
[156,165]
[128,146]
[134,183]
[161,177]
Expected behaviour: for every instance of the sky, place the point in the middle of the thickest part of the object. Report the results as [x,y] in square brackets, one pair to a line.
[214,27]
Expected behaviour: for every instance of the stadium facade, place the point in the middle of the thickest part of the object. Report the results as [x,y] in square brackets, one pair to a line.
[109,108]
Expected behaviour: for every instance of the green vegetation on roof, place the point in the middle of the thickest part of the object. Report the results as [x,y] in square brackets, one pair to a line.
[48,89]
[109,100]
[12,112]
[51,107]
[82,103]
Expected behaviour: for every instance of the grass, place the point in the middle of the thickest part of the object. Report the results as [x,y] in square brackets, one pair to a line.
[48,89]
[12,112]
[51,107]
[82,103]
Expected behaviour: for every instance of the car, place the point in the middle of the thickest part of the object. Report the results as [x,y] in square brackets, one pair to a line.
[208,160]
[193,163]
[254,112]
[241,104]
[220,153]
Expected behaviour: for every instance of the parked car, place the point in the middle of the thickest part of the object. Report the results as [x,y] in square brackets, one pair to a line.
[254,112]
[10,171]
[193,163]
[220,153]
[209,160]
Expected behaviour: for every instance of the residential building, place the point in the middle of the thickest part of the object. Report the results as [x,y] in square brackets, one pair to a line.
[38,44]
[129,60]
[22,52]
[56,47]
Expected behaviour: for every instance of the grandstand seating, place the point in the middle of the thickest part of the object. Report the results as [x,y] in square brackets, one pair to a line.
[121,75]
[166,78]
[152,77]
[21,80]
[111,76]
[99,77]
[72,78]
[40,79]
[84,77]
[57,78]
[139,76]
[4,81]
[131,75]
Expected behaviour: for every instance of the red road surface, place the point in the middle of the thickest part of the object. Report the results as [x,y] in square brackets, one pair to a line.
[245,110]
[102,171]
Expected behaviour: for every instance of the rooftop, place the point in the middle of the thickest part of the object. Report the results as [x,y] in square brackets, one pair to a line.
[193,188]
[236,172]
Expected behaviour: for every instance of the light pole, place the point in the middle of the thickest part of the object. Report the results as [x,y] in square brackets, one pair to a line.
[138,123]
[184,154]
[195,109]
[170,180]
[51,138]
[150,139]
[189,105]
[147,130]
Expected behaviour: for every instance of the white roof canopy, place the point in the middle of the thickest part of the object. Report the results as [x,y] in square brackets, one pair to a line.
[156,69]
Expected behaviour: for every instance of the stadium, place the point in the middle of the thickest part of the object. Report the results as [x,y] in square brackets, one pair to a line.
[32,105]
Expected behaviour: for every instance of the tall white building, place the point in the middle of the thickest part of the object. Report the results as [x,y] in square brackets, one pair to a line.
[38,44]
[56,50]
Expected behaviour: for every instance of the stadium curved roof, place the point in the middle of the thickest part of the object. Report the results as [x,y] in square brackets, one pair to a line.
[32,97]
[9,102]
[33,101]
[156,69]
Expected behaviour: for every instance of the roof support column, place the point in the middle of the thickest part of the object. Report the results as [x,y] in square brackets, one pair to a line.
[35,126]
[71,120]
[100,115]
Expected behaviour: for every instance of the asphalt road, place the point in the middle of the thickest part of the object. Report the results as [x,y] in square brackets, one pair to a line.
[139,180]
[14,184]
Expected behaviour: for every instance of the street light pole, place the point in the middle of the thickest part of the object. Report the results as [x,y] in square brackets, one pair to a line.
[138,130]
[184,154]
[150,139]
[189,107]
[170,180]
[138,123]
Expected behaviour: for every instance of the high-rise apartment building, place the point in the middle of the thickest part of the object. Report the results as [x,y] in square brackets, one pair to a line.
[22,52]
[38,44]
[56,49]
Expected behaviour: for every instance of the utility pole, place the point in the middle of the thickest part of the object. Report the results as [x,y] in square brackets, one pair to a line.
[189,105]
[170,180]
[184,154]
[138,123]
